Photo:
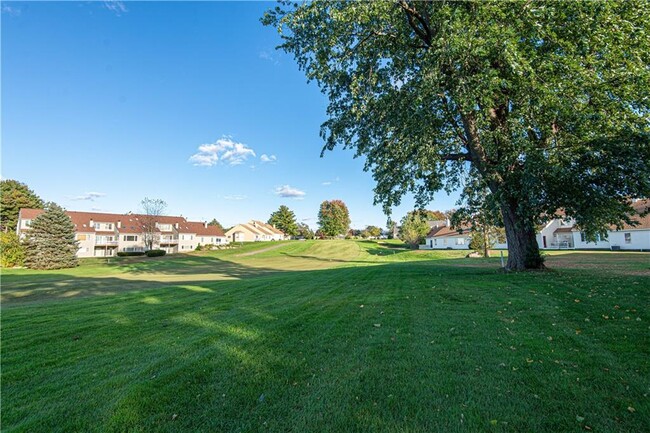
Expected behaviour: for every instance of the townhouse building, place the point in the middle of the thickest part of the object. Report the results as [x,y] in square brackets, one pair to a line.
[106,234]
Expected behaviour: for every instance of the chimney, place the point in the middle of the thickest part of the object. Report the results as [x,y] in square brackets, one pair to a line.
[176,225]
[205,224]
[448,224]
[119,224]
[92,223]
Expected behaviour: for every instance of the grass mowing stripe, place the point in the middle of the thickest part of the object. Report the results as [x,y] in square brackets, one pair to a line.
[459,346]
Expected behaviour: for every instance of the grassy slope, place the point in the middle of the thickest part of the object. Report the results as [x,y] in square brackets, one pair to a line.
[328,336]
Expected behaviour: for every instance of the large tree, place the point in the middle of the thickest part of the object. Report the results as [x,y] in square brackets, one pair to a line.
[152,208]
[544,104]
[284,219]
[15,195]
[50,242]
[333,218]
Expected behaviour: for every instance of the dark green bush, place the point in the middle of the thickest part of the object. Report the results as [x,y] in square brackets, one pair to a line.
[130,253]
[156,253]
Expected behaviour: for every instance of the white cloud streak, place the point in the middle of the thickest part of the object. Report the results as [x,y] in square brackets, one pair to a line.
[115,6]
[290,192]
[235,197]
[89,196]
[225,150]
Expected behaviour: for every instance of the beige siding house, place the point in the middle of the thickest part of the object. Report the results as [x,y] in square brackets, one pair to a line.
[254,231]
[104,234]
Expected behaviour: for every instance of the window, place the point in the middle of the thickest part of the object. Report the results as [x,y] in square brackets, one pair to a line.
[460,241]
[109,226]
[97,226]
[130,238]
[444,241]
[28,223]
[435,242]
[82,237]
[628,238]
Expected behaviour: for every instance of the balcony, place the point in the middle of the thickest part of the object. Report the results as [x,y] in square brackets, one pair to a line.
[104,242]
[168,240]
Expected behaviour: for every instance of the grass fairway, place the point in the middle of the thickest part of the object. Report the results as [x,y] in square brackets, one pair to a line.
[328,336]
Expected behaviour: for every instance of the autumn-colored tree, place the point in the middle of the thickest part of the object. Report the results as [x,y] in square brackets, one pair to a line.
[333,218]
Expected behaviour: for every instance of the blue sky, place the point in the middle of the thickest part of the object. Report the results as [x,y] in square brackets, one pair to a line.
[105,103]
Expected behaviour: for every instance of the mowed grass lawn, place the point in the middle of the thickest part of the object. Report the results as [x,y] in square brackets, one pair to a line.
[328,336]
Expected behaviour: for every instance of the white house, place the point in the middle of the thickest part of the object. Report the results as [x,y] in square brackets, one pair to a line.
[557,234]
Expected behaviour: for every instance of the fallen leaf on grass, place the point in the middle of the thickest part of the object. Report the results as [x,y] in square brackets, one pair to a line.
[377,325]
[174,416]
[580,418]
[631,409]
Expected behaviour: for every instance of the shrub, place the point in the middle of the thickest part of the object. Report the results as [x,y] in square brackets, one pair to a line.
[12,252]
[130,253]
[155,253]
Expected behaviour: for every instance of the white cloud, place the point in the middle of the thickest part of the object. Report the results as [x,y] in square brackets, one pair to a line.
[326,183]
[288,191]
[89,196]
[115,6]
[11,10]
[235,197]
[225,150]
[268,158]
[265,55]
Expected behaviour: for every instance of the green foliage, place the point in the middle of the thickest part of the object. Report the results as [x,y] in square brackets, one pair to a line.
[543,104]
[12,252]
[50,242]
[333,218]
[214,222]
[372,232]
[285,220]
[304,231]
[130,253]
[414,228]
[155,253]
[14,196]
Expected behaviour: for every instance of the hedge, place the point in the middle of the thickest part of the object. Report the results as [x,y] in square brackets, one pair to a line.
[130,253]
[156,253]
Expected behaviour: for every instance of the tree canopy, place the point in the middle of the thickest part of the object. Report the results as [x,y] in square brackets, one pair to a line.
[216,223]
[542,104]
[284,219]
[414,227]
[50,242]
[333,218]
[15,195]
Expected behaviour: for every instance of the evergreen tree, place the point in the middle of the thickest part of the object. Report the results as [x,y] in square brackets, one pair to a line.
[14,196]
[216,223]
[333,218]
[51,240]
[284,219]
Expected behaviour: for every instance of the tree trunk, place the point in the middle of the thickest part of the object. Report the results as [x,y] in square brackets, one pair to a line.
[486,242]
[523,250]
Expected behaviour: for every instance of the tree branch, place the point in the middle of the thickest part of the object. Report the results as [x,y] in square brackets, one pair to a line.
[456,157]
[421,27]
